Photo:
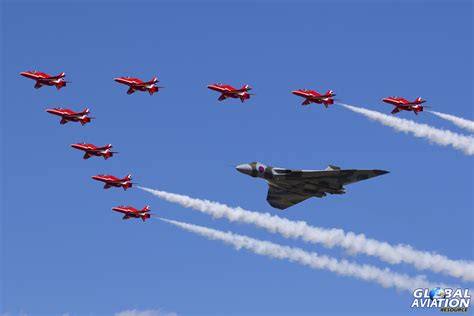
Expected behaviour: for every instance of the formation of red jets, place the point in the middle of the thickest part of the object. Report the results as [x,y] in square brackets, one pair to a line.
[135,84]
[226,91]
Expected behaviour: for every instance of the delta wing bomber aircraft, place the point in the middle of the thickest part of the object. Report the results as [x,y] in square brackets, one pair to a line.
[288,187]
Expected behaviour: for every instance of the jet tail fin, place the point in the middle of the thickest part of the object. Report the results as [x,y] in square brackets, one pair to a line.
[246,87]
[330,93]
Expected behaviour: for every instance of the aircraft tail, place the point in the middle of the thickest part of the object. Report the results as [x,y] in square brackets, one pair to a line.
[146,208]
[245,87]
[153,80]
[328,102]
[330,93]
[419,100]
[108,154]
[86,120]
[61,84]
[145,217]
[153,90]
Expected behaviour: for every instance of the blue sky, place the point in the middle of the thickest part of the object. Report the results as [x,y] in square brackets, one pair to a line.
[65,251]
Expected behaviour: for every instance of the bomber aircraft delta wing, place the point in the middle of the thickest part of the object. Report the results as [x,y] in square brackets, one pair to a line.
[288,187]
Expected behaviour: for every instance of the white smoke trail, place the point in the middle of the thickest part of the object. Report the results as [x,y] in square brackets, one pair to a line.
[438,136]
[384,277]
[458,121]
[354,243]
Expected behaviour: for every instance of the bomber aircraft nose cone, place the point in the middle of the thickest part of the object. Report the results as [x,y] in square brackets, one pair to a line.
[245,169]
[381,172]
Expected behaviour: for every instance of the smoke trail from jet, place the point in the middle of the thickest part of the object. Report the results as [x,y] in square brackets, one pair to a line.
[438,136]
[352,242]
[384,277]
[458,121]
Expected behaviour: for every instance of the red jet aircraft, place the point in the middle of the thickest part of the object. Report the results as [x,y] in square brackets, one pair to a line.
[231,92]
[133,212]
[312,96]
[405,105]
[92,150]
[71,116]
[111,181]
[136,84]
[43,79]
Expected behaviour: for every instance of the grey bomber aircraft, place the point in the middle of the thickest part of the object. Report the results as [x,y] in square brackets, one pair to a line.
[288,187]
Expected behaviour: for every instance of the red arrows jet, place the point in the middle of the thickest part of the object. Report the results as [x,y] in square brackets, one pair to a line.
[71,116]
[111,181]
[43,79]
[405,105]
[92,150]
[312,96]
[136,84]
[231,92]
[133,212]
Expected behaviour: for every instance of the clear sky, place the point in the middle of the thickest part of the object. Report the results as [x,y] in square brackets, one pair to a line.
[65,251]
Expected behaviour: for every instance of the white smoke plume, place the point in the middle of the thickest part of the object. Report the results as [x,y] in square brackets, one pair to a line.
[352,242]
[435,135]
[458,121]
[384,277]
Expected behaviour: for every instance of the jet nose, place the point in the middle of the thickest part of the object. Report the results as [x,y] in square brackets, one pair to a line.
[381,172]
[245,169]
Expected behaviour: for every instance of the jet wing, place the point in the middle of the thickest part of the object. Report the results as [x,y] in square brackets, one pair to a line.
[330,178]
[290,187]
[282,199]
